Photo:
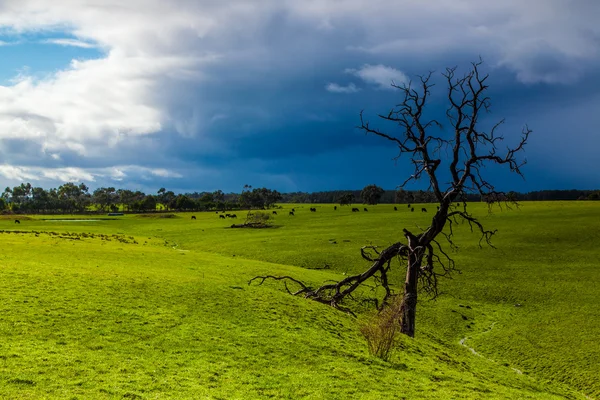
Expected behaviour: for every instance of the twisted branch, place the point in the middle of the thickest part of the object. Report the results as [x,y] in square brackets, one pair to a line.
[465,150]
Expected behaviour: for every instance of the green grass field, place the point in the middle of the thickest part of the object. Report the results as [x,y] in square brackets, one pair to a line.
[157,308]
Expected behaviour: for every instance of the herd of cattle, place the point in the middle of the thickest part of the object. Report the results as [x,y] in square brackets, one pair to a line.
[227,216]
[313,209]
[291,213]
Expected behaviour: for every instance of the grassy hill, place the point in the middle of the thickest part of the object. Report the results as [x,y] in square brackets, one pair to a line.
[160,308]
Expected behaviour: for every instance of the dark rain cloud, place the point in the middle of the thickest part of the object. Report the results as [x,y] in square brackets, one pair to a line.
[276,100]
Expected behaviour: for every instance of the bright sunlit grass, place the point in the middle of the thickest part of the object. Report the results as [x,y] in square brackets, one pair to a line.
[160,308]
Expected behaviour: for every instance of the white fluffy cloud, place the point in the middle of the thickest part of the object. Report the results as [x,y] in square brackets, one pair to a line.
[336,88]
[74,174]
[16,173]
[91,105]
[20,173]
[91,101]
[165,173]
[69,174]
[70,42]
[380,75]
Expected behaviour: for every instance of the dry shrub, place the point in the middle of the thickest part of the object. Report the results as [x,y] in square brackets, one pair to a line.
[258,217]
[382,329]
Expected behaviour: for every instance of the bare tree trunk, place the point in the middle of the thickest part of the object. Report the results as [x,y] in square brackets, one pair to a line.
[409,301]
[465,153]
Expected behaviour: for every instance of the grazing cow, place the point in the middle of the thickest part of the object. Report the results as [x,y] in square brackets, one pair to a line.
[335,208]
[228,215]
[395,208]
[275,212]
[233,216]
[193,217]
[17,221]
[313,209]
[293,210]
[355,210]
[216,212]
[366,209]
[222,216]
[291,213]
[412,209]
[423,209]
[409,206]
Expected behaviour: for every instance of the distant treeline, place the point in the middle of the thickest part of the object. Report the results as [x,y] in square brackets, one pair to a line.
[420,196]
[76,198]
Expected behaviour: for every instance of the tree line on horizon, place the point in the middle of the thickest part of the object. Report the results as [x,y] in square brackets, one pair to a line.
[77,198]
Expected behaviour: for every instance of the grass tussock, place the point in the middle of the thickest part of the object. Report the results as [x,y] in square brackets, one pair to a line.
[382,329]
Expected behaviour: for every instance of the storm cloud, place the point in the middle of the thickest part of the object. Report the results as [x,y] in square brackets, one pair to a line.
[205,95]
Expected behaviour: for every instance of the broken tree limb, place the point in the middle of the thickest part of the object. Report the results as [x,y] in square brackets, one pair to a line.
[334,293]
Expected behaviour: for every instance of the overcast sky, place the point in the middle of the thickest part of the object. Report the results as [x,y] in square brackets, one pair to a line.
[209,94]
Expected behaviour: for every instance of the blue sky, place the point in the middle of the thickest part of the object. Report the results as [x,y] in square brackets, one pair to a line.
[207,95]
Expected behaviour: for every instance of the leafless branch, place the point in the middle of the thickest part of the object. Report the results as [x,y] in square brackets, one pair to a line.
[463,150]
[303,287]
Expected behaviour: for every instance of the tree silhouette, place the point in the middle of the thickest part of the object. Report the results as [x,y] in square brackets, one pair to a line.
[462,152]
[371,194]
[346,199]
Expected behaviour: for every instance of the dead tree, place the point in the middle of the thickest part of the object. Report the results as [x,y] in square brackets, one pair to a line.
[462,150]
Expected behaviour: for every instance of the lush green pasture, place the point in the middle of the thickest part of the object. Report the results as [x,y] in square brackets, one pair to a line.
[139,307]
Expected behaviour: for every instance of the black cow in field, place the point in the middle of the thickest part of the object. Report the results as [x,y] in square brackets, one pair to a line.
[291,213]
[457,204]
[395,208]
[216,212]
[335,208]
[222,216]
[412,209]
[275,212]
[193,217]
[17,221]
[409,206]
[423,209]
[293,210]
[313,209]
[355,210]
[366,209]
